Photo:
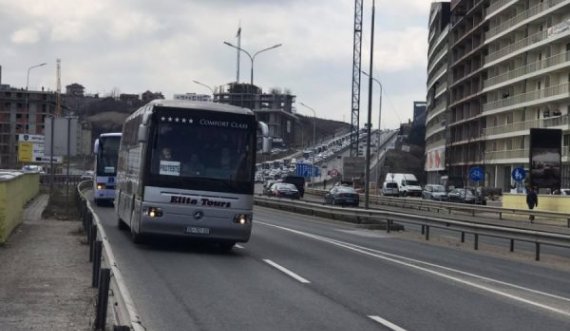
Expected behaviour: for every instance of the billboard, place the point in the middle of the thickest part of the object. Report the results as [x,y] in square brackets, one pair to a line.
[435,159]
[30,147]
[545,158]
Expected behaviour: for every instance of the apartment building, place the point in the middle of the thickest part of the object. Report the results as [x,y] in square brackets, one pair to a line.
[437,90]
[274,108]
[526,85]
[509,64]
[21,112]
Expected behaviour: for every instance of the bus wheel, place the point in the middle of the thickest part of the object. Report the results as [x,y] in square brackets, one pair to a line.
[137,238]
[121,225]
[226,246]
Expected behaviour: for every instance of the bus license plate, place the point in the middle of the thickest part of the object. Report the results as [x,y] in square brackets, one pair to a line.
[197,230]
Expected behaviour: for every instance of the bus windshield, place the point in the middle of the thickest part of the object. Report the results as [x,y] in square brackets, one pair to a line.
[197,153]
[107,156]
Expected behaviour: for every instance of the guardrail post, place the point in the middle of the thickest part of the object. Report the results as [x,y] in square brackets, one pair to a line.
[427,232]
[388,224]
[500,215]
[462,236]
[92,239]
[476,243]
[537,256]
[103,299]
[423,229]
[568,220]
[512,245]
[96,263]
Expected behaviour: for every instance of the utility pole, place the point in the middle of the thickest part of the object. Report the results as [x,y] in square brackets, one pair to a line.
[369,124]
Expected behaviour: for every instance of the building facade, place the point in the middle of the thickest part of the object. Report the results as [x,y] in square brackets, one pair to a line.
[275,108]
[21,112]
[509,71]
[437,90]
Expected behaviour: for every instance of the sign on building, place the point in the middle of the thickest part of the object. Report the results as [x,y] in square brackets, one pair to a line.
[30,147]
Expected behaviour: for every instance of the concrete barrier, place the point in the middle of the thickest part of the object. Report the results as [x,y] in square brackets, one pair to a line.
[552,203]
[16,189]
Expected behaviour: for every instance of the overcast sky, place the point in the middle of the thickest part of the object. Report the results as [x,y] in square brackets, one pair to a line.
[138,45]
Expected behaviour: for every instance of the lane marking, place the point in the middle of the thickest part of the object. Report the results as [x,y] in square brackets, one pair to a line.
[286,271]
[239,246]
[387,323]
[400,260]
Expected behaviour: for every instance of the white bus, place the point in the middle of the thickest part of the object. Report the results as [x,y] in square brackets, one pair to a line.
[187,169]
[106,150]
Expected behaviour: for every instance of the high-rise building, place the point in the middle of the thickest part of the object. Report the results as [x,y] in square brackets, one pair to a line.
[526,82]
[509,72]
[437,91]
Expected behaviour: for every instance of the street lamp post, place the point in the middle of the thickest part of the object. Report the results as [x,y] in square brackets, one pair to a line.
[252,58]
[379,122]
[208,87]
[29,69]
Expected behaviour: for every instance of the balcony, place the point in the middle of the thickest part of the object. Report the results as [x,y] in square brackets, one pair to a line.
[436,76]
[434,129]
[533,39]
[526,125]
[506,154]
[436,59]
[436,111]
[556,31]
[535,10]
[437,144]
[496,5]
[528,69]
[552,93]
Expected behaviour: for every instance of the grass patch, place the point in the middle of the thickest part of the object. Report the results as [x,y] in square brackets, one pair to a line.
[60,206]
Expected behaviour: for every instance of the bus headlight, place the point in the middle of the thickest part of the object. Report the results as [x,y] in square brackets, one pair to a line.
[153,212]
[100,186]
[242,219]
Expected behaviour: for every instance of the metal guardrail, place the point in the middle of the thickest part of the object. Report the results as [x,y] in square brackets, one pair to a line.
[449,207]
[106,276]
[389,217]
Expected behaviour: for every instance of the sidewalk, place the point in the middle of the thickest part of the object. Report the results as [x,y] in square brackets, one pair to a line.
[45,275]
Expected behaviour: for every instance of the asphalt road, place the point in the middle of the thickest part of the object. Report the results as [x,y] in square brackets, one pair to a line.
[305,273]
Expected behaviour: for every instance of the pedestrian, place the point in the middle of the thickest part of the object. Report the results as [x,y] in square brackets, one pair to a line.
[531,201]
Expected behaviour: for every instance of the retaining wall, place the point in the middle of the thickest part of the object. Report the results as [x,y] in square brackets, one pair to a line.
[16,189]
[554,203]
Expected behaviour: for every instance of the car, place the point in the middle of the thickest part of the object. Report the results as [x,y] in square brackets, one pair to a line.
[463,195]
[298,181]
[284,190]
[87,175]
[434,192]
[32,168]
[267,186]
[342,195]
[390,188]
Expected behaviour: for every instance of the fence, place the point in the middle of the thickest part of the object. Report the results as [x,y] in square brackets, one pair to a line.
[105,276]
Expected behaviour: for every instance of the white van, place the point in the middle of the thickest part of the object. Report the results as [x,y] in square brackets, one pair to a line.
[408,184]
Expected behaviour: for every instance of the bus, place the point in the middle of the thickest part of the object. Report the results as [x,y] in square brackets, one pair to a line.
[106,150]
[186,169]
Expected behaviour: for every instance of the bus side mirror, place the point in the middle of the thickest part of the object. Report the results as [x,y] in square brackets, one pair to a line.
[142,133]
[96,146]
[266,140]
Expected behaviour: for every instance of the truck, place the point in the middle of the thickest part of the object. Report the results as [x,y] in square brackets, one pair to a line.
[408,184]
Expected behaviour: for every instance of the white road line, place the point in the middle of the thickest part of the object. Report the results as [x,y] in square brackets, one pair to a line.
[410,263]
[386,323]
[287,271]
[239,246]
